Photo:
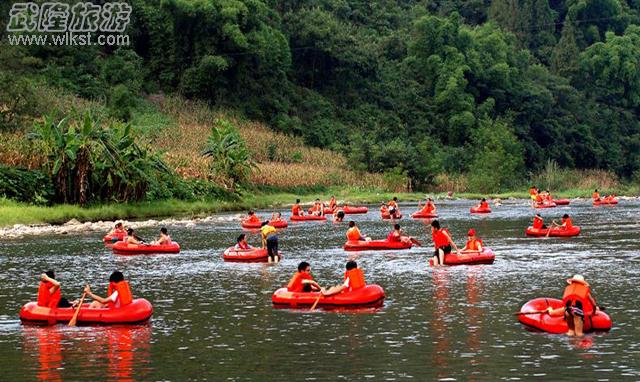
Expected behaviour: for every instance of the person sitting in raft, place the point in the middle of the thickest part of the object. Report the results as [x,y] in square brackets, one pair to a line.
[397,235]
[164,238]
[118,293]
[118,229]
[302,281]
[429,206]
[49,293]
[332,203]
[484,205]
[384,210]
[353,279]
[567,224]
[595,196]
[538,222]
[578,303]
[318,208]
[132,238]
[276,217]
[442,242]
[338,216]
[241,243]
[296,210]
[474,244]
[394,210]
[353,233]
[270,241]
[252,218]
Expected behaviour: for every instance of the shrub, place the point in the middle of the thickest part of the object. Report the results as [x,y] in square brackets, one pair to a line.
[23,185]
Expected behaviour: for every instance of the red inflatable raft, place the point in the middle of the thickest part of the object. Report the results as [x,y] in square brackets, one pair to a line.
[139,310]
[423,215]
[305,218]
[369,295]
[469,258]
[545,205]
[557,325]
[478,210]
[562,202]
[604,202]
[253,255]
[375,245]
[125,248]
[555,232]
[257,225]
[118,236]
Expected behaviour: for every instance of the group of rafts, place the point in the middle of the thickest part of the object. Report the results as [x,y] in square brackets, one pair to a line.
[540,313]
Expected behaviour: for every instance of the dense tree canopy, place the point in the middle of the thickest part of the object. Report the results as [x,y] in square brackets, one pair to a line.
[491,88]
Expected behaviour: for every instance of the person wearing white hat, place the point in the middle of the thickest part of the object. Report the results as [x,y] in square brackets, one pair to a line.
[578,303]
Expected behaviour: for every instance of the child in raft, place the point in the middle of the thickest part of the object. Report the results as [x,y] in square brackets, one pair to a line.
[397,235]
[49,292]
[474,244]
[296,210]
[164,238]
[429,206]
[276,217]
[270,241]
[578,303]
[442,243]
[353,279]
[241,243]
[302,281]
[353,233]
[252,218]
[118,293]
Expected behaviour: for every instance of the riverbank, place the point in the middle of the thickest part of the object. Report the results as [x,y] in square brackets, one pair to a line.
[12,213]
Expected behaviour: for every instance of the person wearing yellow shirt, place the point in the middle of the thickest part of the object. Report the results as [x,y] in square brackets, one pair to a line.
[270,241]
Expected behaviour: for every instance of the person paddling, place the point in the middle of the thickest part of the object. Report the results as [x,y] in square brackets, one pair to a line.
[164,238]
[566,223]
[302,281]
[241,243]
[353,233]
[132,238]
[397,235]
[270,241]
[579,305]
[353,279]
[296,210]
[474,244]
[538,222]
[442,243]
[49,292]
[118,293]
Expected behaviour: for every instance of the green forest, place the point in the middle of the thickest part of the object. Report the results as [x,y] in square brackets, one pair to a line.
[495,91]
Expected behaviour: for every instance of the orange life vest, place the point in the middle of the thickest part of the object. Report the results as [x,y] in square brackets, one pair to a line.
[539,198]
[332,204]
[428,208]
[253,219]
[353,234]
[537,222]
[356,278]
[578,291]
[484,205]
[295,210]
[384,210]
[392,203]
[595,196]
[568,223]
[473,245]
[124,293]
[45,297]
[295,284]
[439,238]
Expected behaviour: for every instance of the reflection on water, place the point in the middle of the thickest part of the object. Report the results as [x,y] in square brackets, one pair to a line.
[214,320]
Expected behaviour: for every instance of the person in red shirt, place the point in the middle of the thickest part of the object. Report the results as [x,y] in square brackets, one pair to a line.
[473,243]
[538,222]
[296,210]
[442,243]
[353,279]
[49,293]
[596,195]
[252,218]
[579,305]
[118,293]
[302,281]
[566,222]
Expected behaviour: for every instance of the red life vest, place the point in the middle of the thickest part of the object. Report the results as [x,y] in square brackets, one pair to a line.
[353,234]
[473,245]
[124,293]
[45,297]
[578,291]
[295,210]
[484,205]
[356,278]
[393,238]
[568,223]
[295,284]
[439,238]
[537,222]
[539,199]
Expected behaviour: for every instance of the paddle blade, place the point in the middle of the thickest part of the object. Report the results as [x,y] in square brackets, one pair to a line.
[74,319]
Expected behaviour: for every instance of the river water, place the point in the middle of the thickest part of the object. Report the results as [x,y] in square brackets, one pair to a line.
[214,320]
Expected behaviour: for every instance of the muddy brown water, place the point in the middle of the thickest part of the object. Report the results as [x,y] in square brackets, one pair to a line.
[214,320]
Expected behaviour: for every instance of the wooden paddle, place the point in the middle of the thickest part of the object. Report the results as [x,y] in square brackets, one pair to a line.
[75,315]
[316,302]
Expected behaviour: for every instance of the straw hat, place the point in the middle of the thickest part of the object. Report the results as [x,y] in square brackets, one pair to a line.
[577,279]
